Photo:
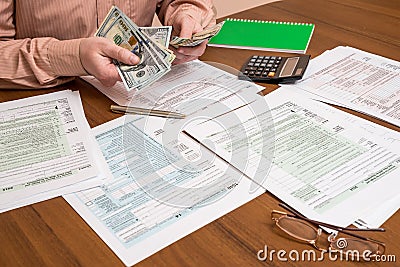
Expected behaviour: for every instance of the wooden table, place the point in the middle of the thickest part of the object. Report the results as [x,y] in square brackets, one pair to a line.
[52,234]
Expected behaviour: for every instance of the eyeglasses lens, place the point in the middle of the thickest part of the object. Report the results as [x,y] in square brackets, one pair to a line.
[298,228]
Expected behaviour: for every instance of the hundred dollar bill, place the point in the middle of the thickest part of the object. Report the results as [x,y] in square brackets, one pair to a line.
[160,34]
[157,54]
[166,54]
[197,38]
[154,59]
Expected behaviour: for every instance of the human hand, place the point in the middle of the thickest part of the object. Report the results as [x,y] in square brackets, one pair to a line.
[97,54]
[185,26]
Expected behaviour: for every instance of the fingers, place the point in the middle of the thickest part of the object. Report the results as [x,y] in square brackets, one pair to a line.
[186,25]
[193,51]
[107,75]
[121,54]
[183,60]
[185,54]
[95,54]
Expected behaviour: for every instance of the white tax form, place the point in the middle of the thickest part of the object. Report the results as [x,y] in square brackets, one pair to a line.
[204,80]
[357,80]
[157,195]
[162,181]
[327,164]
[46,149]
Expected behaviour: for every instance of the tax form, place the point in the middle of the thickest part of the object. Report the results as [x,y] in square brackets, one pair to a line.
[355,79]
[46,149]
[158,193]
[206,81]
[326,164]
[164,185]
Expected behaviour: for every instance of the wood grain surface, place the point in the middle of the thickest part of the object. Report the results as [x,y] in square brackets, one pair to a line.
[51,233]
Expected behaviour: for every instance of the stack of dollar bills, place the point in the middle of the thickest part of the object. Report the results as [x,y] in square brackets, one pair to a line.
[149,44]
[198,37]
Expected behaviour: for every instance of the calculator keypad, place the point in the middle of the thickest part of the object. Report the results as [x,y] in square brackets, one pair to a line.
[274,69]
[262,66]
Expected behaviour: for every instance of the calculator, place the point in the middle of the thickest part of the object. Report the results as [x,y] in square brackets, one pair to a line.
[272,69]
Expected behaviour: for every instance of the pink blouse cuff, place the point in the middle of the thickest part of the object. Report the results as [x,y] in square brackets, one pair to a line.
[64,58]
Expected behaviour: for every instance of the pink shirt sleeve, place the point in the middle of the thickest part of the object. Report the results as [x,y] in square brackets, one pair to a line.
[39,62]
[34,63]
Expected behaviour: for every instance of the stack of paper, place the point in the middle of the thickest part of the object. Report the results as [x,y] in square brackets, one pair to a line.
[46,149]
[327,164]
[163,184]
[192,80]
[355,79]
[363,82]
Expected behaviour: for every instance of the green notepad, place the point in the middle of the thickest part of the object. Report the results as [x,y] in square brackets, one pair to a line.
[264,35]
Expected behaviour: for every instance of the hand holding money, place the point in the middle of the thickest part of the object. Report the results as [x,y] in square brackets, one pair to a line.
[155,59]
[185,26]
[96,56]
[197,38]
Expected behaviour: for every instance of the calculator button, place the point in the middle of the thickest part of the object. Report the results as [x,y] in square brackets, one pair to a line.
[264,69]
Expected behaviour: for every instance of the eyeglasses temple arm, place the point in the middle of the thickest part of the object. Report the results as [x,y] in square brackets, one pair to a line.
[333,227]
[362,237]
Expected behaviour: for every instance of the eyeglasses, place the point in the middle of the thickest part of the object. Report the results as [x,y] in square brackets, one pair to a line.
[309,231]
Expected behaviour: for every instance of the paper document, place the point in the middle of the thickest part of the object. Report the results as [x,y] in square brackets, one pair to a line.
[46,149]
[376,216]
[357,80]
[162,181]
[184,81]
[158,193]
[327,164]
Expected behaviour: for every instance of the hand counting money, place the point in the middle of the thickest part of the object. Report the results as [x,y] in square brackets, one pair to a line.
[149,44]
[197,38]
